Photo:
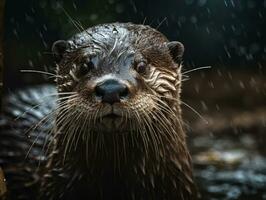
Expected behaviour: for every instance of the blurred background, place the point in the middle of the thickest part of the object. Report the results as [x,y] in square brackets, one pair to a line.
[224,107]
[229,33]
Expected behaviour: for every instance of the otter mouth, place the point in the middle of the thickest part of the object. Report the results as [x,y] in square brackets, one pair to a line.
[112,121]
[114,112]
[112,116]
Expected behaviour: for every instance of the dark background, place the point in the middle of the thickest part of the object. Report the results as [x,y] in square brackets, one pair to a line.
[223,34]
[229,151]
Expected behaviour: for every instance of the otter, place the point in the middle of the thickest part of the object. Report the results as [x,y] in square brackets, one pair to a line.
[117,131]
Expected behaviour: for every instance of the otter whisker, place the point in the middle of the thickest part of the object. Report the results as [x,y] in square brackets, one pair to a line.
[38,105]
[166,106]
[131,129]
[142,133]
[39,124]
[158,135]
[87,137]
[87,149]
[77,132]
[190,107]
[71,19]
[71,136]
[61,105]
[82,129]
[164,19]
[124,152]
[124,119]
[170,131]
[69,129]
[70,63]
[91,138]
[147,121]
[144,21]
[116,153]
[64,107]
[40,72]
[61,93]
[33,127]
[81,26]
[161,120]
[196,112]
[196,69]
[96,140]
[69,116]
[96,115]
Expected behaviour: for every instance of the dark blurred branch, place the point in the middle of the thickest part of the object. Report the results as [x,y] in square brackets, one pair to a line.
[2,7]
[3,189]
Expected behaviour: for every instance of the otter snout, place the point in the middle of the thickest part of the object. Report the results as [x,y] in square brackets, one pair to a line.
[111,91]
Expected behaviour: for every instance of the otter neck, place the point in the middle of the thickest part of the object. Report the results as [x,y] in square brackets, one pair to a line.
[156,142]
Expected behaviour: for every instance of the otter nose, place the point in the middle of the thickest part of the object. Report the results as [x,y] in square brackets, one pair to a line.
[111,91]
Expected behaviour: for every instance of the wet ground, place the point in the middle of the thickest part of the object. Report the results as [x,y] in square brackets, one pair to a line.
[229,152]
[229,167]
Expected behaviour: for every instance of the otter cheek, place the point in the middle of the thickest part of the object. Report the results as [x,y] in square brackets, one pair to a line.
[86,90]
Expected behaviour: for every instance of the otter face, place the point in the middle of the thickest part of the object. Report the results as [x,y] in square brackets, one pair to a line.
[110,77]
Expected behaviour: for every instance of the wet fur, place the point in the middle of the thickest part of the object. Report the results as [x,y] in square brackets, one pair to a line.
[146,159]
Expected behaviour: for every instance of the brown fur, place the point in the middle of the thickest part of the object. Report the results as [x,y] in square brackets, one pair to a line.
[141,155]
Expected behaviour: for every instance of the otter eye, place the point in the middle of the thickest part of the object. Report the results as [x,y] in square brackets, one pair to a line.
[141,67]
[86,67]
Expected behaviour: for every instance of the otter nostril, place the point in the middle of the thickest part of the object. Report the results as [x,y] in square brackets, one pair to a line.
[99,91]
[124,92]
[111,91]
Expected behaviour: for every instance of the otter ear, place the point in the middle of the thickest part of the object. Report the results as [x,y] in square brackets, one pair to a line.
[176,50]
[59,48]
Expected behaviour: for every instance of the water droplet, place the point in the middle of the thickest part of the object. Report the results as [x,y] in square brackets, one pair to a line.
[232,3]
[241,84]
[182,19]
[189,2]
[93,17]
[225,3]
[193,19]
[202,2]
[251,4]
[208,30]
[119,8]
[30,63]
[111,1]
[74,5]
[254,48]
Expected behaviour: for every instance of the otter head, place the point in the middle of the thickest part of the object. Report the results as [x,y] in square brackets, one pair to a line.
[110,76]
